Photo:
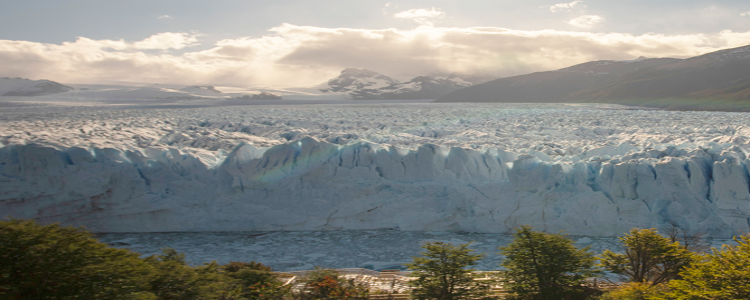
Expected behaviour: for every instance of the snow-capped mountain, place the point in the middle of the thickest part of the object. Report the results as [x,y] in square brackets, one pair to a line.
[198,89]
[26,87]
[363,84]
[352,79]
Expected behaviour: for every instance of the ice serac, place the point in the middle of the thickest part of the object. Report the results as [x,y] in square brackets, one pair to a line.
[311,184]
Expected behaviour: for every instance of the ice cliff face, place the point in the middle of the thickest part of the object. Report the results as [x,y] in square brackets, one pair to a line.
[304,181]
[310,184]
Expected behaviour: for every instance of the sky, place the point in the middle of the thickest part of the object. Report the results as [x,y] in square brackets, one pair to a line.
[285,43]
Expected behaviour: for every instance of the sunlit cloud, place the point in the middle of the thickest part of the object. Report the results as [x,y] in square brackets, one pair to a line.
[167,40]
[162,17]
[586,21]
[421,16]
[745,14]
[563,6]
[290,55]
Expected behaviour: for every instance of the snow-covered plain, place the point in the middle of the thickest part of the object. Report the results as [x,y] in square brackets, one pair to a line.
[595,170]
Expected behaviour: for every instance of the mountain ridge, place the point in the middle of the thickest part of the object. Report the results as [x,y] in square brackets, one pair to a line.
[721,76]
[364,84]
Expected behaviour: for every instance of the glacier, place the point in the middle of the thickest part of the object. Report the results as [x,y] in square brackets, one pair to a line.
[595,170]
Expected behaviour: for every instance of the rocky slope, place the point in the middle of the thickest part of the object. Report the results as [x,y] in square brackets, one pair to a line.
[718,76]
[551,86]
[721,74]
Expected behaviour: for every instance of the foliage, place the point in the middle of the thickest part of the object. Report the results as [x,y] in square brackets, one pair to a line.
[724,274]
[256,280]
[442,272]
[328,284]
[273,290]
[174,279]
[635,291]
[648,257]
[546,266]
[56,262]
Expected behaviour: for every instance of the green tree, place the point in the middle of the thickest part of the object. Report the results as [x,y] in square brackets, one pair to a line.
[723,275]
[648,257]
[257,280]
[173,279]
[56,262]
[635,291]
[546,266]
[442,272]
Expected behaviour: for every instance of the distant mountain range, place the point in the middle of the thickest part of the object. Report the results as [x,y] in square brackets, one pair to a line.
[720,76]
[363,84]
[715,81]
[26,87]
[46,89]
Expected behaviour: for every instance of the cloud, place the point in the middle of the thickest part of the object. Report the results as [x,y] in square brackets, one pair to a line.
[745,14]
[586,21]
[421,16]
[167,40]
[164,17]
[290,55]
[563,6]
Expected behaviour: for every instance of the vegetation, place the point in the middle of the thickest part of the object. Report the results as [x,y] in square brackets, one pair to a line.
[57,262]
[257,280]
[174,279]
[327,284]
[635,291]
[546,266]
[724,274]
[442,273]
[648,258]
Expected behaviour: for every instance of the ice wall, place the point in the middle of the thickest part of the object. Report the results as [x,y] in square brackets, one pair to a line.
[311,184]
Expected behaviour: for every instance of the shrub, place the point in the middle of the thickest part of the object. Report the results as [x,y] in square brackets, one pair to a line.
[57,262]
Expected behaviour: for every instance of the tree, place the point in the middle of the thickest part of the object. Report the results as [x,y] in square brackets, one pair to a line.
[56,262]
[546,266]
[648,257]
[173,279]
[328,284]
[691,241]
[635,291]
[723,275]
[442,272]
[257,280]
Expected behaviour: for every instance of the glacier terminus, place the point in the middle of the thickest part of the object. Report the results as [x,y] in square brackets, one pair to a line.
[587,169]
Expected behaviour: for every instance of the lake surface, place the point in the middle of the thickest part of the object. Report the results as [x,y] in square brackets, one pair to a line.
[303,250]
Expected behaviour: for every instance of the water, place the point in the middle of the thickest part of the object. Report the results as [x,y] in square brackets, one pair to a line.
[303,250]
